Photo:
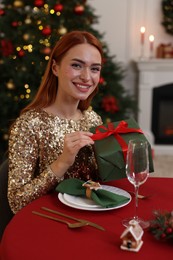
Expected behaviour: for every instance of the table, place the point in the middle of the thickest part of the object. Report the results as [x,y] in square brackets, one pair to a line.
[29,236]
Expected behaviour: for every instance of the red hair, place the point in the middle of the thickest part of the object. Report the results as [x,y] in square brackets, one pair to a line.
[47,91]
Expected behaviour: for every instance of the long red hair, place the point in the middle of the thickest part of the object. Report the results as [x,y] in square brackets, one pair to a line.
[47,91]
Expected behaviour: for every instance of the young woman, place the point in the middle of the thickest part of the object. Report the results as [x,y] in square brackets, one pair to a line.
[51,140]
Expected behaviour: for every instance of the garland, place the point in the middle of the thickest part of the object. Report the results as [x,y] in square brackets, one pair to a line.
[162,225]
[167,9]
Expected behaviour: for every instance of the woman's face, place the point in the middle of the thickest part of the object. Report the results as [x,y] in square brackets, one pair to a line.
[79,72]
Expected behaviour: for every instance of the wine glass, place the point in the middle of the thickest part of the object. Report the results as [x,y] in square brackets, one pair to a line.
[137,171]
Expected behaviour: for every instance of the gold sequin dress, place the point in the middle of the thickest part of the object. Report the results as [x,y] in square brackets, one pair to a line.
[36,140]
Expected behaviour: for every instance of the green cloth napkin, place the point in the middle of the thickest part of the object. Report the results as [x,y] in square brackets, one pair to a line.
[102,197]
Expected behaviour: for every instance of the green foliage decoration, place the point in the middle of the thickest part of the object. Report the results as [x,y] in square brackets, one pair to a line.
[167,10]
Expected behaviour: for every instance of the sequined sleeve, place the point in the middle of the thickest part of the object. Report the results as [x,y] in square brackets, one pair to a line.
[23,186]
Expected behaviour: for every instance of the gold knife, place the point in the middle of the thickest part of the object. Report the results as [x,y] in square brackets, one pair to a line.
[71,217]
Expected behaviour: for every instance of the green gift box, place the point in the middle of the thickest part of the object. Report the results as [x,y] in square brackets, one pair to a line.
[110,147]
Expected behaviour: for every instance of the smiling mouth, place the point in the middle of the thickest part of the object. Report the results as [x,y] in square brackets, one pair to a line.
[81,86]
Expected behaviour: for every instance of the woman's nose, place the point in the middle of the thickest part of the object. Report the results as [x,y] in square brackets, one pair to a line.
[85,74]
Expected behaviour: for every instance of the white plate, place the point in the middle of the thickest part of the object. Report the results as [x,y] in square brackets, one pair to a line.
[86,204]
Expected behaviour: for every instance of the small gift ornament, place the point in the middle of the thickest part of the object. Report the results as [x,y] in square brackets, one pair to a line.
[132,237]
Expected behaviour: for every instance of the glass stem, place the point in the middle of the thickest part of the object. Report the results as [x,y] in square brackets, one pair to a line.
[136,202]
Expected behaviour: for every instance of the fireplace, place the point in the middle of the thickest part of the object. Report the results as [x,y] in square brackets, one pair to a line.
[162,118]
[155,94]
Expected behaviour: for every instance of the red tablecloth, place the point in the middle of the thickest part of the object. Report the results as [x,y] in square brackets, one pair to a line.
[29,236]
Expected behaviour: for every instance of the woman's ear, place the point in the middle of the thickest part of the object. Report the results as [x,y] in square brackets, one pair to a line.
[55,68]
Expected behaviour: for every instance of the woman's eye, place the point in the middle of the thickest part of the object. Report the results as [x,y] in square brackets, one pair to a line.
[95,69]
[76,66]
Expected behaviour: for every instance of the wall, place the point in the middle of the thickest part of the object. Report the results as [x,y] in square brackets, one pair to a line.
[121,20]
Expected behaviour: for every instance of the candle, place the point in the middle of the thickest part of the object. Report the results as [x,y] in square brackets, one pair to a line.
[151,39]
[142,34]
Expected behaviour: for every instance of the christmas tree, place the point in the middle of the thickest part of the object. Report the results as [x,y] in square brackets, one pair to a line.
[28,32]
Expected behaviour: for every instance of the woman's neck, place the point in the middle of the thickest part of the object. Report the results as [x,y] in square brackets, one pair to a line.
[64,111]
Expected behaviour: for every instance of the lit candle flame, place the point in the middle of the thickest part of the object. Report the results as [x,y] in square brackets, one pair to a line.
[142,34]
[142,29]
[151,38]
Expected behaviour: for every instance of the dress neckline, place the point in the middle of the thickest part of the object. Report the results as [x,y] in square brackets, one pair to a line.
[62,119]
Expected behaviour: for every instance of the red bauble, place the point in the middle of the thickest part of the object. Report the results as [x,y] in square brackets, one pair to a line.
[46,50]
[163,235]
[58,7]
[14,23]
[169,230]
[101,81]
[2,12]
[39,3]
[46,31]
[6,47]
[21,53]
[109,104]
[79,9]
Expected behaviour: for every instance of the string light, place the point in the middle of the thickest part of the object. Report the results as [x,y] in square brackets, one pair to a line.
[28,91]
[46,8]
[22,96]
[18,48]
[26,86]
[27,96]
[52,11]
[46,58]
[40,27]
[30,48]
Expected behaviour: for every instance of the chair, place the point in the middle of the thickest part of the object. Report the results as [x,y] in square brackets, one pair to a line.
[5,211]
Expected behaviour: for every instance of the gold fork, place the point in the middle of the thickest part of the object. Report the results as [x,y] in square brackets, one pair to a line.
[73,218]
[70,225]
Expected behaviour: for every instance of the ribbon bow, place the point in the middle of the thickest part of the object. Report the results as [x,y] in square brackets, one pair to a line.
[122,128]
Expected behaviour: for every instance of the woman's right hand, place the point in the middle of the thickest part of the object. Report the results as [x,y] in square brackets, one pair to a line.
[73,142]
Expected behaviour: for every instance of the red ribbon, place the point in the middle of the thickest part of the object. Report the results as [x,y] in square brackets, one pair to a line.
[122,128]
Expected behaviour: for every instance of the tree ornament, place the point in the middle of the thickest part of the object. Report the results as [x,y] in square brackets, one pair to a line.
[6,47]
[2,12]
[46,50]
[15,23]
[46,31]
[58,7]
[62,30]
[39,3]
[26,36]
[169,230]
[101,81]
[28,20]
[21,53]
[79,9]
[109,104]
[10,84]
[18,3]
[28,8]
